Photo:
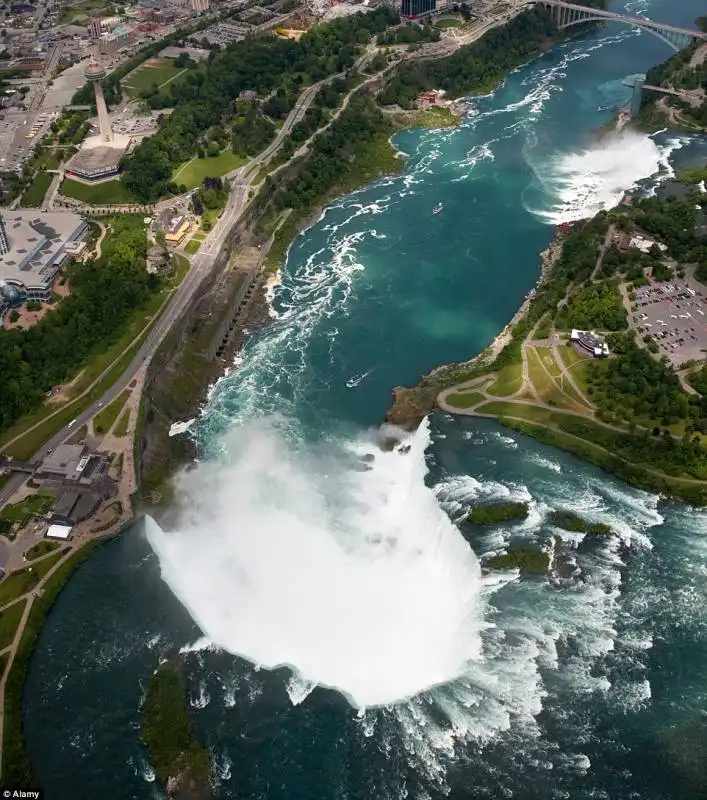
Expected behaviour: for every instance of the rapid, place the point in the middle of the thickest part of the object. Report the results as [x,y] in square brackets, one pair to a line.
[340,638]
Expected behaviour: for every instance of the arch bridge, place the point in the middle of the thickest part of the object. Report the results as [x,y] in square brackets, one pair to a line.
[567,14]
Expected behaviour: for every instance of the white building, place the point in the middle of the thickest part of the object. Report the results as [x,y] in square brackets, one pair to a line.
[591,342]
[38,245]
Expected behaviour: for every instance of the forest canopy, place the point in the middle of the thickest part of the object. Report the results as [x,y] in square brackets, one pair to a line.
[259,64]
[103,295]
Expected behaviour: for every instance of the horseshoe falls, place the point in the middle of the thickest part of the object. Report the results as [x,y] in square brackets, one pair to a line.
[339,638]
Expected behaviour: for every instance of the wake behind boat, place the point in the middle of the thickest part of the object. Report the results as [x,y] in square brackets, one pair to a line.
[356,380]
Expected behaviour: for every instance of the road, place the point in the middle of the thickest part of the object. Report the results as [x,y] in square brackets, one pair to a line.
[204,261]
[46,79]
[202,264]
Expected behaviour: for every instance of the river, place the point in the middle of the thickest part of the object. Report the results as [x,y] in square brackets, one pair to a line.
[412,674]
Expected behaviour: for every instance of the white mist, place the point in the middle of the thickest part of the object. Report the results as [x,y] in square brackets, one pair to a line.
[349,573]
[583,183]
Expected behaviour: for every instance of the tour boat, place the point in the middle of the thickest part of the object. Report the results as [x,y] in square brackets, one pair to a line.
[437,208]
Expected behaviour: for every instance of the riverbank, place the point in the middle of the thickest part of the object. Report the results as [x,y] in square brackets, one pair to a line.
[412,404]
[533,380]
[16,767]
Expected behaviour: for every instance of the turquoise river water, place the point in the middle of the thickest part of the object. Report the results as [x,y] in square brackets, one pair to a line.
[340,639]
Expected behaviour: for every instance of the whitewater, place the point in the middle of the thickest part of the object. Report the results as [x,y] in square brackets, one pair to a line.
[344,568]
[326,554]
[338,635]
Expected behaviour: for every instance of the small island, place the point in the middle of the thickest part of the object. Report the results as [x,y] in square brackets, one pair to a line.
[569,521]
[528,560]
[497,512]
[181,764]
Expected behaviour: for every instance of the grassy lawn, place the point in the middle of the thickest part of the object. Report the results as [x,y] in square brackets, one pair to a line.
[9,620]
[208,218]
[192,246]
[569,355]
[114,355]
[21,512]
[546,356]
[564,386]
[509,381]
[181,267]
[545,386]
[18,583]
[192,173]
[41,549]
[443,24]
[434,118]
[542,416]
[34,194]
[109,193]
[103,421]
[579,372]
[121,429]
[148,75]
[465,399]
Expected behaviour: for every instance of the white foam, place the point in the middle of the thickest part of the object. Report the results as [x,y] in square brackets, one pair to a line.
[177,428]
[354,577]
[580,184]
[202,643]
[202,699]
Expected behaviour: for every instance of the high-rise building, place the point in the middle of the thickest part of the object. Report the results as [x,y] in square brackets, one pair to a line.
[199,5]
[95,73]
[4,241]
[95,28]
[414,8]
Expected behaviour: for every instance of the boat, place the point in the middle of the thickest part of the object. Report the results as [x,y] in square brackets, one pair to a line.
[437,208]
[356,380]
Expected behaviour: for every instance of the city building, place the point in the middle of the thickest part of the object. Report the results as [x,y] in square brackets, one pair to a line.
[94,74]
[195,53]
[38,245]
[72,464]
[416,8]
[4,241]
[71,506]
[176,230]
[590,342]
[95,29]
[199,5]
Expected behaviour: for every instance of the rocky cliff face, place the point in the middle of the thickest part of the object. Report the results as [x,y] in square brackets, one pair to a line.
[182,371]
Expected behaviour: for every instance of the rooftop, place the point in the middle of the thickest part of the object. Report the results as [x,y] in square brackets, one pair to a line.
[36,241]
[65,460]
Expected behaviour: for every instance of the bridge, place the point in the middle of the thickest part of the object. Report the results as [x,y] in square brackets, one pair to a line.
[694,97]
[567,14]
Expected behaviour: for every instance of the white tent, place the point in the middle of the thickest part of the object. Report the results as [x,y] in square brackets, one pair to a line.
[58,531]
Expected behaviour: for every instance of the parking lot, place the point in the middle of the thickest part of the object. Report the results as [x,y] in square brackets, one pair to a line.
[674,315]
[19,133]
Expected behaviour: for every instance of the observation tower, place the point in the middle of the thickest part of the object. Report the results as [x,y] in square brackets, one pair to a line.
[95,73]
